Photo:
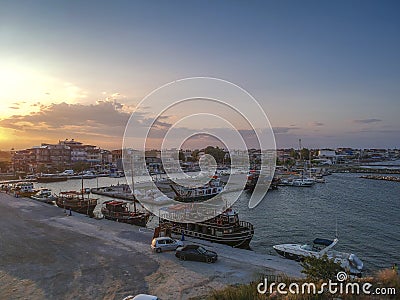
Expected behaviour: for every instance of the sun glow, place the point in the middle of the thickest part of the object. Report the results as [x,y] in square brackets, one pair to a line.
[23,89]
[4,136]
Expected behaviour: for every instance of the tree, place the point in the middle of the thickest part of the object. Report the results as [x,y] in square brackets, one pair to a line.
[4,166]
[217,153]
[320,268]
[294,154]
[305,153]
[191,159]
[182,156]
[80,166]
[195,154]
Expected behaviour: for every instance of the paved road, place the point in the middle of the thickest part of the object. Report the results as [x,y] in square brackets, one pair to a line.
[56,263]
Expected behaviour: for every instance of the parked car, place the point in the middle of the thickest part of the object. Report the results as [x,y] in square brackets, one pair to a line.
[197,253]
[164,244]
[142,297]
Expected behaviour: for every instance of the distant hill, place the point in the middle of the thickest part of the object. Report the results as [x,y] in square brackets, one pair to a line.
[5,156]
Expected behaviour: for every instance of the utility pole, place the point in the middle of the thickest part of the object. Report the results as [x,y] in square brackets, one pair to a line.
[300,147]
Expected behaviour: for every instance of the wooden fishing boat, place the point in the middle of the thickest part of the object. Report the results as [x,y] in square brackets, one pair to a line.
[225,228]
[119,211]
[75,201]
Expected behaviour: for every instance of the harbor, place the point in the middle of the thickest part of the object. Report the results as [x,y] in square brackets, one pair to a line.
[341,203]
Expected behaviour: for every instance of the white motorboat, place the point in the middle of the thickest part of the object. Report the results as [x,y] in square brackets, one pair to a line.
[44,195]
[304,182]
[349,261]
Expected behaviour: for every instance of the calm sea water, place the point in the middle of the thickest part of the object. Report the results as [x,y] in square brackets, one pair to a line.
[367,213]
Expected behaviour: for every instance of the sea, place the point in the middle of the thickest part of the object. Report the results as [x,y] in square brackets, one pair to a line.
[363,213]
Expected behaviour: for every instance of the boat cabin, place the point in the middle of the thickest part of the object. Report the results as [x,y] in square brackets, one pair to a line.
[24,187]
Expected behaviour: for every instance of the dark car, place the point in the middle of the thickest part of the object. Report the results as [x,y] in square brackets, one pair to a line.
[197,253]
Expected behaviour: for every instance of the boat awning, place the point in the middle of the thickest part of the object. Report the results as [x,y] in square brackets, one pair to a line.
[324,242]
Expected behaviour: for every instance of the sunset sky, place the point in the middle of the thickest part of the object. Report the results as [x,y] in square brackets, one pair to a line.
[327,72]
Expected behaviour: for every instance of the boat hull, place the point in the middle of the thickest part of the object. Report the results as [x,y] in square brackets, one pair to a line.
[77,206]
[239,239]
[138,221]
[48,200]
[195,199]
[289,255]
[51,179]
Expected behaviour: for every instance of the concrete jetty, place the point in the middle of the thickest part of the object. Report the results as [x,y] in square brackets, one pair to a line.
[46,254]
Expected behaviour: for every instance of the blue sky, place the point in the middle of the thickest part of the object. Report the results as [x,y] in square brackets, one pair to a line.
[326,72]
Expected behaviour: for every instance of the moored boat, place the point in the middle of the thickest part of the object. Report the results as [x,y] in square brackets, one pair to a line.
[225,228]
[119,211]
[348,261]
[196,194]
[23,189]
[253,179]
[75,201]
[44,195]
[303,182]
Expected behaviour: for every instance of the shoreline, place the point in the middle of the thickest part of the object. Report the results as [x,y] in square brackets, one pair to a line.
[64,257]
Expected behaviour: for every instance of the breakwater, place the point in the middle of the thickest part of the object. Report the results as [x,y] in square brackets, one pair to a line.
[386,178]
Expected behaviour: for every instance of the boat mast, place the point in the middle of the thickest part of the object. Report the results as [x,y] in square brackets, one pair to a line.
[82,187]
[133,185]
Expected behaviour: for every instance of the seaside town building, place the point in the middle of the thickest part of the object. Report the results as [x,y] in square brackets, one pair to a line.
[60,156]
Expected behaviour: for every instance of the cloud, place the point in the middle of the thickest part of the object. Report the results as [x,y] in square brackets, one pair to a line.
[60,116]
[282,130]
[317,124]
[367,121]
[103,122]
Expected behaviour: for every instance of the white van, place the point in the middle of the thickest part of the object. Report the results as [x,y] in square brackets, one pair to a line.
[68,173]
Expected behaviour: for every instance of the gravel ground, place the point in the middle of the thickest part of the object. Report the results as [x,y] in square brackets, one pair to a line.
[45,254]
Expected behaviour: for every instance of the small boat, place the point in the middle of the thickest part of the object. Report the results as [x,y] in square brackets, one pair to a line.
[224,229]
[320,247]
[302,182]
[75,201]
[196,194]
[319,179]
[117,174]
[252,180]
[23,189]
[88,175]
[44,195]
[119,211]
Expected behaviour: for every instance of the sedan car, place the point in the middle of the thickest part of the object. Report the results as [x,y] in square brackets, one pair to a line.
[197,253]
[141,297]
[164,244]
